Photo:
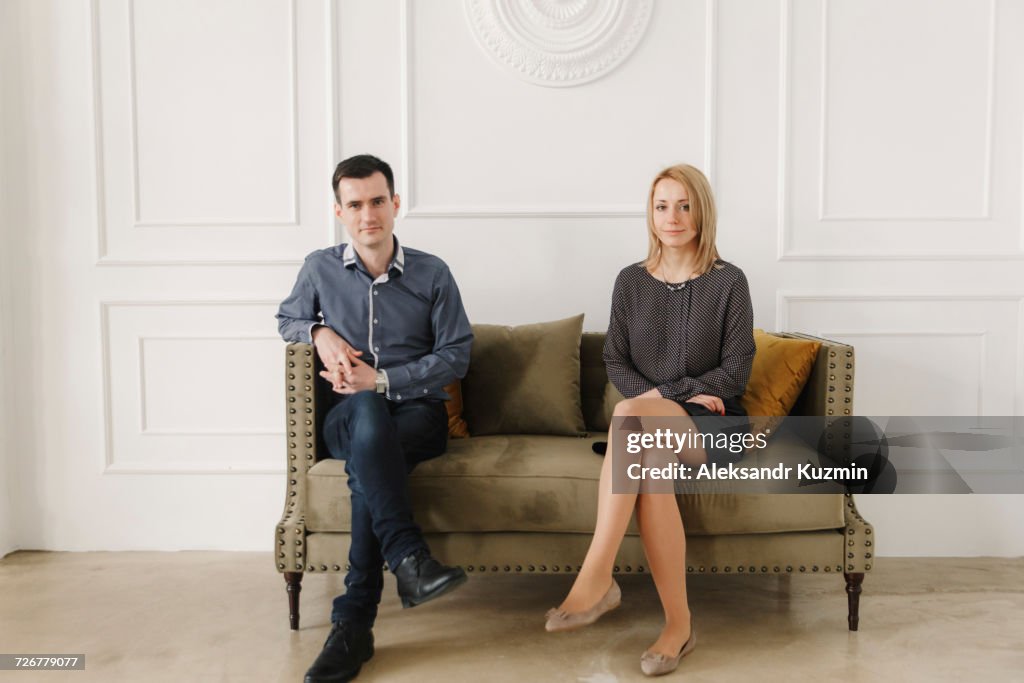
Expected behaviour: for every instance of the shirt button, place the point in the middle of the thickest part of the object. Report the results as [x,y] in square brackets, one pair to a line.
[399,397]
[424,391]
[375,321]
[375,292]
[376,348]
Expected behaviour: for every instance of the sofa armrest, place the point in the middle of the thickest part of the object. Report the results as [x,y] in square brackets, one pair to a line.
[304,404]
[860,539]
[829,389]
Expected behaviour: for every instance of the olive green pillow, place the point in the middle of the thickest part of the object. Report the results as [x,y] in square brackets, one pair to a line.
[525,379]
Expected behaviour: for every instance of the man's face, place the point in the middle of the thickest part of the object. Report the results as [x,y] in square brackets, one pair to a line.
[366,210]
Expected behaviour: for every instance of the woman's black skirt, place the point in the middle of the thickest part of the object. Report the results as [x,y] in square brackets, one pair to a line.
[721,428]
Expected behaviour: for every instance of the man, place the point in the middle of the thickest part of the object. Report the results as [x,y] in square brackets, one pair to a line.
[389,326]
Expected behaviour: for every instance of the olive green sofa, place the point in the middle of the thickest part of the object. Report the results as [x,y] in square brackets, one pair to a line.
[527,503]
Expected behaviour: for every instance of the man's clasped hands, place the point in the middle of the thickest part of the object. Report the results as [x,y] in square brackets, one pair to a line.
[344,369]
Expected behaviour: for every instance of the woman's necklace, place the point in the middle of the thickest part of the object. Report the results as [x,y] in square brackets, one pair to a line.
[671,288]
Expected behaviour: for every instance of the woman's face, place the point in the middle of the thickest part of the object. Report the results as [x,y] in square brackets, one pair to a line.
[673,221]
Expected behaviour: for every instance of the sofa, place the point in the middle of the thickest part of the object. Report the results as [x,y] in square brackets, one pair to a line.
[526,503]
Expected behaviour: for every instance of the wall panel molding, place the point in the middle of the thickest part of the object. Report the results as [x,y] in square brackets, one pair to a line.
[1006,223]
[986,185]
[953,327]
[144,427]
[293,95]
[126,236]
[979,336]
[201,451]
[411,207]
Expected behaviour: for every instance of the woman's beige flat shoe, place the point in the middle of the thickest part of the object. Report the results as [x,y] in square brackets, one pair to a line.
[653,664]
[560,620]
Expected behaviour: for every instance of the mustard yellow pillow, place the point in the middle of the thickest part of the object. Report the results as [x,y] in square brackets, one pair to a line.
[457,427]
[780,371]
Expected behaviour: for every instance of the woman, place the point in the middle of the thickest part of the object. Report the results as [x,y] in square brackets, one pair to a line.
[680,343]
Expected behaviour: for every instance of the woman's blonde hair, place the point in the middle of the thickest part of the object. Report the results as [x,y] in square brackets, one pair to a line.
[702,208]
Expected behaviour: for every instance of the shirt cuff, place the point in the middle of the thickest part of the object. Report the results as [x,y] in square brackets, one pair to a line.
[398,383]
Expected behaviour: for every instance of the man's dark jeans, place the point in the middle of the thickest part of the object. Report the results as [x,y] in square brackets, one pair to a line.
[381,442]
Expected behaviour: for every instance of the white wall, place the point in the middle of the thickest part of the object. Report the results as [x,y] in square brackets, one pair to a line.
[866,158]
[10,237]
[8,541]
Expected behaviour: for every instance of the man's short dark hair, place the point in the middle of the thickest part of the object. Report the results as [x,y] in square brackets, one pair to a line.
[363,166]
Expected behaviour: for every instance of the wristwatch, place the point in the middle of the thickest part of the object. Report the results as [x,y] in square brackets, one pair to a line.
[382,382]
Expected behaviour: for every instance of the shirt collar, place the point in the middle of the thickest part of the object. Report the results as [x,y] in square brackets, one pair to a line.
[350,258]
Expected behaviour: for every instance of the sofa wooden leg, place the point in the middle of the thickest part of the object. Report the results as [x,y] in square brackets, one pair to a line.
[293,581]
[853,582]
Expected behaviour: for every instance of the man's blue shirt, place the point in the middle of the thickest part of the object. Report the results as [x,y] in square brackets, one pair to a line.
[409,322]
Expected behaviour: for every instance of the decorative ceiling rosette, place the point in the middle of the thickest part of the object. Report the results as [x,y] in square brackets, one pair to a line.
[558,43]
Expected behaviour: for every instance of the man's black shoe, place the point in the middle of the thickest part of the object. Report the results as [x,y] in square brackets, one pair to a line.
[346,648]
[422,578]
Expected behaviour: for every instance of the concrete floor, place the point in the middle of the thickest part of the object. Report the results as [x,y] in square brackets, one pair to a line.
[217,616]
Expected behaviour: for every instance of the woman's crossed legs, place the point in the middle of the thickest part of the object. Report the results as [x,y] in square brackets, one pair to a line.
[661,531]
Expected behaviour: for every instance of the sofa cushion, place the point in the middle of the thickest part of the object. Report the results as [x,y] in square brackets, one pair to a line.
[612,397]
[593,380]
[549,484]
[525,380]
